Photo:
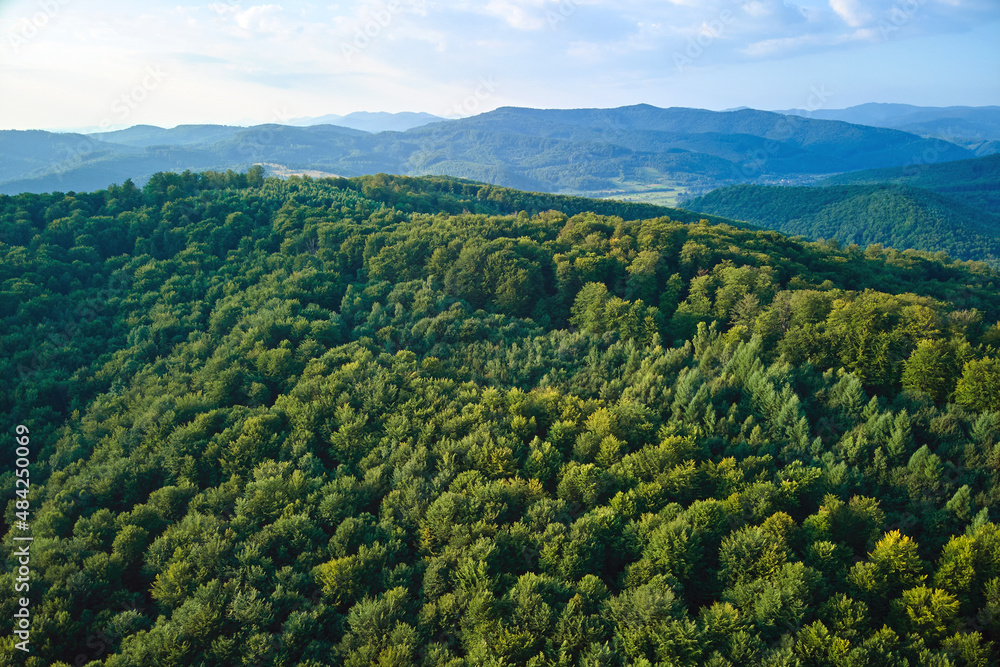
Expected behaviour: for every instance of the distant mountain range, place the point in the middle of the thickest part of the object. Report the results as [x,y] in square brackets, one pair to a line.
[638,152]
[368,121]
[976,128]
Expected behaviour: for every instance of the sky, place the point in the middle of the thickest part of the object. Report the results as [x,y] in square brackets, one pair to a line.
[117,63]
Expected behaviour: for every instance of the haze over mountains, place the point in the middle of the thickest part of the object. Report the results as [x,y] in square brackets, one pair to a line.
[977,128]
[372,121]
[639,151]
[892,178]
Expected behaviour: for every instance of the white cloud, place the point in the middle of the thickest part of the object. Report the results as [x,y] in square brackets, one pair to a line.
[852,12]
[518,14]
[785,45]
[262,21]
[756,9]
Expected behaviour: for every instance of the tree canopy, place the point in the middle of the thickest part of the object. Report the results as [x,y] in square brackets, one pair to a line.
[399,421]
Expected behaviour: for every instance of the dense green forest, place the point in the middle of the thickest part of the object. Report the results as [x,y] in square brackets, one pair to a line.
[395,421]
[898,216]
[974,182]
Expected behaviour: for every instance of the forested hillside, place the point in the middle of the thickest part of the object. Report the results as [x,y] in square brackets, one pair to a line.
[975,182]
[897,216]
[391,421]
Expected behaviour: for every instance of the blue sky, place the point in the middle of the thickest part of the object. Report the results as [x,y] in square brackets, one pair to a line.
[116,63]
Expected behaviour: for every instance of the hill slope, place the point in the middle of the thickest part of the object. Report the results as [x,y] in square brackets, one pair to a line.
[896,216]
[974,182]
[427,422]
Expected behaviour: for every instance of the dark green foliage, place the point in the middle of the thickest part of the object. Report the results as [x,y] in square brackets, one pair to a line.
[399,421]
[898,216]
[973,182]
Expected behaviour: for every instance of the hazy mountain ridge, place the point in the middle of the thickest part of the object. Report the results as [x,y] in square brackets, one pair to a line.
[26,153]
[372,121]
[977,128]
[579,151]
[670,128]
[144,136]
